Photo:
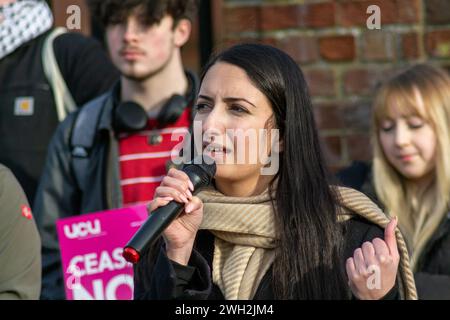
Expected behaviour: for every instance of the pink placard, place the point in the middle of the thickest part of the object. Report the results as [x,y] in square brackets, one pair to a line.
[91,252]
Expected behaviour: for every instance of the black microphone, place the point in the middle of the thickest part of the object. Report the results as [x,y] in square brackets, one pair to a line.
[201,176]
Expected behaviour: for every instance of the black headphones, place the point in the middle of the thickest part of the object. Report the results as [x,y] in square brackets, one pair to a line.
[130,116]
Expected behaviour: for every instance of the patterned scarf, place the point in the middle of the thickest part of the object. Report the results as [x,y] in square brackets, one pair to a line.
[22,21]
[245,239]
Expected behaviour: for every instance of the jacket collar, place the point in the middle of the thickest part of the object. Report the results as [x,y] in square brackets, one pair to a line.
[108,105]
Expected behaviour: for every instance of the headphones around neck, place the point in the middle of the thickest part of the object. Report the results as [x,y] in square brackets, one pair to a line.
[130,116]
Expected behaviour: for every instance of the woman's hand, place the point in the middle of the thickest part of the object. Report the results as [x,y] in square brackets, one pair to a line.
[373,268]
[180,234]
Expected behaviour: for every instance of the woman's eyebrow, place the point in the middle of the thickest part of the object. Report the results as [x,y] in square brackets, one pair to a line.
[233,99]
[227,100]
[206,98]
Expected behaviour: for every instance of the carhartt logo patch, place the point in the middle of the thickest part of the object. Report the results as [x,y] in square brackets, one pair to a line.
[24,106]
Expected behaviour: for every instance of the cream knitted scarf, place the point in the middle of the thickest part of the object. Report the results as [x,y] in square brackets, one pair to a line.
[245,239]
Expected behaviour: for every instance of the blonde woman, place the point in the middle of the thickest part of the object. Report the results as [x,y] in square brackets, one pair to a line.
[410,175]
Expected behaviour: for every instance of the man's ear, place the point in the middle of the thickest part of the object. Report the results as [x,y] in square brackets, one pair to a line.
[182,32]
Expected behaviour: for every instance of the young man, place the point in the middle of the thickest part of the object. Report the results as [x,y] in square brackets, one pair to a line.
[29,112]
[114,152]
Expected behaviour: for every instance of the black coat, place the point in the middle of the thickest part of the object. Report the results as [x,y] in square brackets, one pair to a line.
[433,272]
[87,72]
[168,280]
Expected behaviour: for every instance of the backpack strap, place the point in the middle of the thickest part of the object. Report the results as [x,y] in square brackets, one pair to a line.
[83,136]
[63,99]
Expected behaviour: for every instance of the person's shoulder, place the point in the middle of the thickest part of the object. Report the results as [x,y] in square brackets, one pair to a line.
[6,178]
[75,47]
[65,127]
[71,40]
[355,175]
[5,173]
[10,194]
[358,230]
[358,224]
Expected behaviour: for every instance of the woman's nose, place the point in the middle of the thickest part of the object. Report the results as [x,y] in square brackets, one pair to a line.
[214,121]
[402,135]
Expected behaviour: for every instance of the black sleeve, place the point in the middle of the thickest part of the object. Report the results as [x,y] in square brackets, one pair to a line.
[432,286]
[57,197]
[183,277]
[359,231]
[20,245]
[85,66]
[169,280]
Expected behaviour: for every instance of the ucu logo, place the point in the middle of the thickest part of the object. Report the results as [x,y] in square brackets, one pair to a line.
[82,229]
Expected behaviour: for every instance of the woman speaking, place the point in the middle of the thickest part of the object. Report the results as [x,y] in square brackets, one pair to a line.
[260,233]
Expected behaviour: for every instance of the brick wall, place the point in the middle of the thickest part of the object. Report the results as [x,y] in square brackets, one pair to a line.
[342,59]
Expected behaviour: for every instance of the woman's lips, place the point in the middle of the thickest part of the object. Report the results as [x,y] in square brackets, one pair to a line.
[406,158]
[215,149]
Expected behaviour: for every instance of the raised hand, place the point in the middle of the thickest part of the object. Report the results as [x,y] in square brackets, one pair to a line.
[180,234]
[373,268]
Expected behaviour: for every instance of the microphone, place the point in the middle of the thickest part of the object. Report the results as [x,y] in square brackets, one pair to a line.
[201,176]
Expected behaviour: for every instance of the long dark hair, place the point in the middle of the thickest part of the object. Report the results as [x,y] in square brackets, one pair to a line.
[308,262]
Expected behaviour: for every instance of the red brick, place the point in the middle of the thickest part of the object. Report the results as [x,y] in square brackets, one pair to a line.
[240,19]
[319,15]
[361,81]
[379,46]
[356,116]
[301,49]
[233,41]
[408,11]
[275,17]
[269,41]
[354,13]
[437,11]
[320,82]
[328,116]
[332,149]
[410,46]
[337,48]
[359,147]
[438,43]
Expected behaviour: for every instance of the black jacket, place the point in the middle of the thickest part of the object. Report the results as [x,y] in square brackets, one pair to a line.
[62,194]
[59,195]
[169,280]
[433,272]
[87,71]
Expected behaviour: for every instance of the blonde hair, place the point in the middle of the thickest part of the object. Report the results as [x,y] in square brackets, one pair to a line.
[420,212]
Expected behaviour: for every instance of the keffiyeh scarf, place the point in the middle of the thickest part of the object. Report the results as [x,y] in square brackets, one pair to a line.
[22,21]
